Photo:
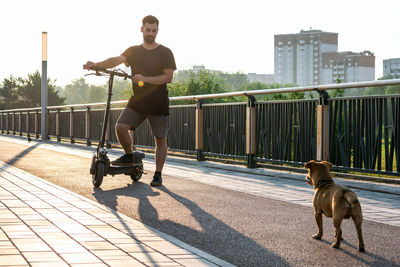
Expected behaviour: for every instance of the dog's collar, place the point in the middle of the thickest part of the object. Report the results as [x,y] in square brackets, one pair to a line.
[323,182]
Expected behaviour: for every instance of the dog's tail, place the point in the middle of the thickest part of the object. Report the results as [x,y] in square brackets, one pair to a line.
[351,197]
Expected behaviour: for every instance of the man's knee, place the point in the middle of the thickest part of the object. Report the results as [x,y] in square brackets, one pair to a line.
[122,128]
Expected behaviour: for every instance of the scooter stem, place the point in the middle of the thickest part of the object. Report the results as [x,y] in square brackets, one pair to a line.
[107,111]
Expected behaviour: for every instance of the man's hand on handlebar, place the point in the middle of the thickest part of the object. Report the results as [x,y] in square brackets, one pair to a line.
[105,72]
[89,65]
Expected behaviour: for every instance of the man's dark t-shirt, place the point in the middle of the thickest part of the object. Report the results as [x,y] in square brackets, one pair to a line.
[150,98]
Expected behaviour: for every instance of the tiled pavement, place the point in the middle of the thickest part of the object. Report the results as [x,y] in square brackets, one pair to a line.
[380,202]
[42,224]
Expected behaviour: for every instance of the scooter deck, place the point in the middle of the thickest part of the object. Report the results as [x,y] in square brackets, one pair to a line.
[120,169]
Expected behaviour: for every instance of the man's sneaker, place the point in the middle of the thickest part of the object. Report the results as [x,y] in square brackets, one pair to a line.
[125,160]
[157,180]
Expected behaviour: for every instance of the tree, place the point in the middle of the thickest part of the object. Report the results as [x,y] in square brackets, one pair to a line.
[384,90]
[97,94]
[200,83]
[234,81]
[391,89]
[26,93]
[76,92]
[337,92]
[122,89]
[268,97]
[9,93]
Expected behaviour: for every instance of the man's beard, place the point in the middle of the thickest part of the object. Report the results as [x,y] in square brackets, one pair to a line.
[149,40]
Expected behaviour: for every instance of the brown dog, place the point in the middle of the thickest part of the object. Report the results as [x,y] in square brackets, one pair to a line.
[334,201]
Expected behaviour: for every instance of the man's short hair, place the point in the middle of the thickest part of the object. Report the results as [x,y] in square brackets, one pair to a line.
[150,20]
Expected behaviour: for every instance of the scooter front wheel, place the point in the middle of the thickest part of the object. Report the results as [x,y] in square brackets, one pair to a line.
[97,177]
[137,175]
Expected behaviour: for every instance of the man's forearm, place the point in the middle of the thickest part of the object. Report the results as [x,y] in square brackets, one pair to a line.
[158,80]
[109,63]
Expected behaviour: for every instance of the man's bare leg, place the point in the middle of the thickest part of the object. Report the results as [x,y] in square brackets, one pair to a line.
[123,137]
[160,152]
[160,155]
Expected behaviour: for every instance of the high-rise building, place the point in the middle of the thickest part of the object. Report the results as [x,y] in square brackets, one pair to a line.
[391,66]
[298,57]
[347,67]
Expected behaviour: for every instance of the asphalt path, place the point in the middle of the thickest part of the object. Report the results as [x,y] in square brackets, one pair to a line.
[243,229]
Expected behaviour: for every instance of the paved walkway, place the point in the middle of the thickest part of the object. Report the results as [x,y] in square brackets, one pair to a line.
[42,224]
[380,202]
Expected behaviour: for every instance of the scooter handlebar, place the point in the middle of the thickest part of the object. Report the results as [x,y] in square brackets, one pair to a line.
[114,72]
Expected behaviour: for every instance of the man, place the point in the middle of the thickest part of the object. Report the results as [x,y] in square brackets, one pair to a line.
[152,67]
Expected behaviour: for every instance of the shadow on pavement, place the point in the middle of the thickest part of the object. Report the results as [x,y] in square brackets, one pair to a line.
[109,199]
[375,260]
[22,154]
[216,237]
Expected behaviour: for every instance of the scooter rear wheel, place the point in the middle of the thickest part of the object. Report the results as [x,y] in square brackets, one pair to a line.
[97,177]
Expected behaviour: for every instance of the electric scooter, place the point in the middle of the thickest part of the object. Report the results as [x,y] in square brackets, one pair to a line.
[100,162]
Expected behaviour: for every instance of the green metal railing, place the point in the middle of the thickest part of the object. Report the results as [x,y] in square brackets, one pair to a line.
[358,133]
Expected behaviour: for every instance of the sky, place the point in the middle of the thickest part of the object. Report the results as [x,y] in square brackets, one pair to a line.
[225,35]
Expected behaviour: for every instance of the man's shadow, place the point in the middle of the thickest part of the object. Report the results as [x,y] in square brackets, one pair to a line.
[216,237]
[138,190]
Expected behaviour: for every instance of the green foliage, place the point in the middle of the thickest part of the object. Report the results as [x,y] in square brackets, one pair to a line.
[375,90]
[274,96]
[200,83]
[9,96]
[337,92]
[391,89]
[80,92]
[26,93]
[76,92]
[232,81]
[122,89]
[97,94]
[384,90]
[205,82]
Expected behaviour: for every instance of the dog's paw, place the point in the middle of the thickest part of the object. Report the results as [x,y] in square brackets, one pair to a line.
[335,245]
[361,249]
[317,236]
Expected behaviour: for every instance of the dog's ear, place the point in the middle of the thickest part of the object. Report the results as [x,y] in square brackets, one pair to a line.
[309,164]
[327,163]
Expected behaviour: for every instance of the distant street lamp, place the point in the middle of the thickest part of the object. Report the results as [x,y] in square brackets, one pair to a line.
[44,86]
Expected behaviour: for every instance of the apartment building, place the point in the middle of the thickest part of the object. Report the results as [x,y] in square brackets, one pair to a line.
[347,67]
[298,57]
[391,66]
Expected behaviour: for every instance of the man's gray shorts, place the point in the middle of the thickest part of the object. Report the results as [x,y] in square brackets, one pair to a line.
[158,123]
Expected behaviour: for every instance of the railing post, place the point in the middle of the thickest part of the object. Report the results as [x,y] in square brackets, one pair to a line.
[199,131]
[20,123]
[251,132]
[37,124]
[2,124]
[8,122]
[27,126]
[47,124]
[88,143]
[323,126]
[58,125]
[13,123]
[71,125]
